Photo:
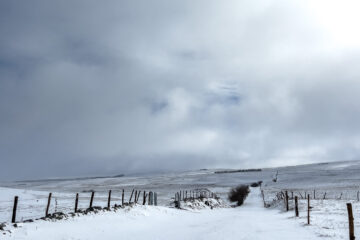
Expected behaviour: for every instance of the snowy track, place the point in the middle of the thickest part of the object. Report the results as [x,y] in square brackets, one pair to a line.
[250,221]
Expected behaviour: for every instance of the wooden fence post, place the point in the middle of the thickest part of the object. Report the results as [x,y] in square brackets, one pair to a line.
[308,209]
[131,195]
[122,197]
[135,196]
[109,199]
[144,198]
[263,197]
[357,195]
[301,195]
[351,221]
[137,199]
[48,205]
[287,200]
[155,198]
[76,202]
[177,200]
[296,207]
[151,198]
[13,220]
[91,199]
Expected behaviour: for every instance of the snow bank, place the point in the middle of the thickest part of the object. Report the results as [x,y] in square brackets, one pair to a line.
[202,203]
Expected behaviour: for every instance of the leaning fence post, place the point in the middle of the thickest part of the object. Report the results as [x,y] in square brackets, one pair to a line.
[137,199]
[91,199]
[301,195]
[109,199]
[76,202]
[296,207]
[287,200]
[14,209]
[351,221]
[48,205]
[131,195]
[308,209]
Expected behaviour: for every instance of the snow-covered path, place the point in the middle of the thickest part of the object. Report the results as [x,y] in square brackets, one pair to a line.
[251,221]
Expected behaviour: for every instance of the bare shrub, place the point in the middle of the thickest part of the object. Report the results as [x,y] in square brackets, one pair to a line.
[239,194]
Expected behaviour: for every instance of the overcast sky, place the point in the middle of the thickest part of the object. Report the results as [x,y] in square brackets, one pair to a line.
[123,86]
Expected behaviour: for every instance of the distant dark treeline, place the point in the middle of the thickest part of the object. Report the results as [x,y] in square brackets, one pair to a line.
[240,170]
[70,179]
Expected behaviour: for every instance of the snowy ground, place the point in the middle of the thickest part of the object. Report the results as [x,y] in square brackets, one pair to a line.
[251,221]
[328,217]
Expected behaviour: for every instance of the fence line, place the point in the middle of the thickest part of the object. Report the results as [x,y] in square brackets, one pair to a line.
[283,197]
[152,201]
[200,194]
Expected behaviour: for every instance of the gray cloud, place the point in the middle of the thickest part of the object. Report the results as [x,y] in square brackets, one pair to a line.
[142,86]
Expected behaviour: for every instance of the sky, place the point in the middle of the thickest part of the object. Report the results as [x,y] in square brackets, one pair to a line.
[129,86]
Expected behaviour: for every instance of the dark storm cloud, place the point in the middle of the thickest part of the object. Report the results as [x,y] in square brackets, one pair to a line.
[89,87]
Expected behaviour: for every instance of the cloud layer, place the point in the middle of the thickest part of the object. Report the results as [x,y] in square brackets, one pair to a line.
[89,87]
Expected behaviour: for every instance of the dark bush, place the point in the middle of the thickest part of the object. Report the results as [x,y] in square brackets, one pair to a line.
[256,184]
[239,194]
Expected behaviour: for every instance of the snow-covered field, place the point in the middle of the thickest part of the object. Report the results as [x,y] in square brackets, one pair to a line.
[252,221]
[328,218]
